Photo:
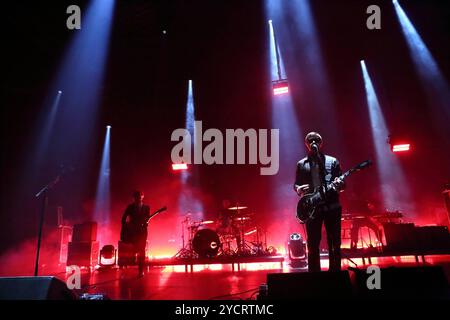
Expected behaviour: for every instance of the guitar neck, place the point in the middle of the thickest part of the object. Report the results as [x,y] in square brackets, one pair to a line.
[360,166]
[155,213]
[347,173]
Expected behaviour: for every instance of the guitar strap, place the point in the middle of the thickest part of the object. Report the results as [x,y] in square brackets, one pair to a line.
[328,178]
[328,166]
[315,167]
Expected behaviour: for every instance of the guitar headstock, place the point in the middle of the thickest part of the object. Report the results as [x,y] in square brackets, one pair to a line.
[363,165]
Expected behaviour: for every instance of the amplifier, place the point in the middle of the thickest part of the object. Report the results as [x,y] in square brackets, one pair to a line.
[65,236]
[126,254]
[433,238]
[85,232]
[400,236]
[84,254]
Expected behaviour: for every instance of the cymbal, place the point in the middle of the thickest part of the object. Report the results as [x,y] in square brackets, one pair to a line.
[237,208]
[200,223]
[250,231]
[207,222]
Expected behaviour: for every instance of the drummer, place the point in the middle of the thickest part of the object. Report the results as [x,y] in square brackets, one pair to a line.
[225,218]
[225,223]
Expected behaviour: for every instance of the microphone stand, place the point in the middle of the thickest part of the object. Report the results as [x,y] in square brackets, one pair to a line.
[43,193]
[318,158]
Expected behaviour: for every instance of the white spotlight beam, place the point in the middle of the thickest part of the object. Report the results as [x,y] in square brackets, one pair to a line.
[434,83]
[395,190]
[103,197]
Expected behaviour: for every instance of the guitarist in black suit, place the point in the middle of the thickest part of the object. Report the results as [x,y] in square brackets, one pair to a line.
[313,171]
[134,227]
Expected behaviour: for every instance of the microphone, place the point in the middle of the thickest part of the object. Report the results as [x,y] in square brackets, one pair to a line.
[314,147]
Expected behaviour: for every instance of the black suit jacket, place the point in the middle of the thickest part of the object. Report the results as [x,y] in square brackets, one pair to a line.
[327,174]
[135,230]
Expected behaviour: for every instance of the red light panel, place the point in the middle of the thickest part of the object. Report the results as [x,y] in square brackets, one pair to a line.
[401,147]
[280,90]
[179,166]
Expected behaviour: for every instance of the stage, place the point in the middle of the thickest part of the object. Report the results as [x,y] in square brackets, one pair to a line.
[188,150]
[213,281]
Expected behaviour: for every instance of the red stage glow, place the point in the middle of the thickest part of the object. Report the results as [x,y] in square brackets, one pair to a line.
[179,166]
[401,147]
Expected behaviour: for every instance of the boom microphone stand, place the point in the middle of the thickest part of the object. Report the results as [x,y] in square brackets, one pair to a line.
[43,193]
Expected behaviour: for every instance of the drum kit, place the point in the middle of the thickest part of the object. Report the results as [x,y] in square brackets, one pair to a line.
[234,233]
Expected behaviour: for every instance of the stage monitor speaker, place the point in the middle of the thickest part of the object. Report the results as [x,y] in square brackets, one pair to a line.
[85,232]
[34,288]
[309,285]
[428,282]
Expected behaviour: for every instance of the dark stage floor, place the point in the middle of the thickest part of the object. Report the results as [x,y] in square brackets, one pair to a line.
[209,281]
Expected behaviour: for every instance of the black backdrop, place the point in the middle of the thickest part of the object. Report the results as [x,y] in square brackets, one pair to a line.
[222,46]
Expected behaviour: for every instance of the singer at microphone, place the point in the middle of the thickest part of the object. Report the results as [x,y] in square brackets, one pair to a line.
[314,147]
[315,171]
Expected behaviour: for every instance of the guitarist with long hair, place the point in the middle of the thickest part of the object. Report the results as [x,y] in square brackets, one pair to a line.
[134,227]
[313,172]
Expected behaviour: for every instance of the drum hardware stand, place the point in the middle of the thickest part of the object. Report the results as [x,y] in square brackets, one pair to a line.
[228,252]
[259,248]
[186,252]
[243,248]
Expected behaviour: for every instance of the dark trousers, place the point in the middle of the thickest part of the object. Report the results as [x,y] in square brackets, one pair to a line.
[139,247]
[332,221]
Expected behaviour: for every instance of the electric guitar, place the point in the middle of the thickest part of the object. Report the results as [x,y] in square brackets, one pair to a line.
[129,230]
[309,202]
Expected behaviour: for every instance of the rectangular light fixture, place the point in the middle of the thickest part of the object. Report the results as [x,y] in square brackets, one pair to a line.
[280,87]
[401,147]
[179,166]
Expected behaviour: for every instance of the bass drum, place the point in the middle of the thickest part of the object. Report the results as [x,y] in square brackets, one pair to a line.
[206,243]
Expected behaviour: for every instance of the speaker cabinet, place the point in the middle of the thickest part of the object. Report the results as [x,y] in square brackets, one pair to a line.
[309,285]
[84,254]
[433,238]
[400,236]
[65,236]
[85,232]
[34,288]
[126,254]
